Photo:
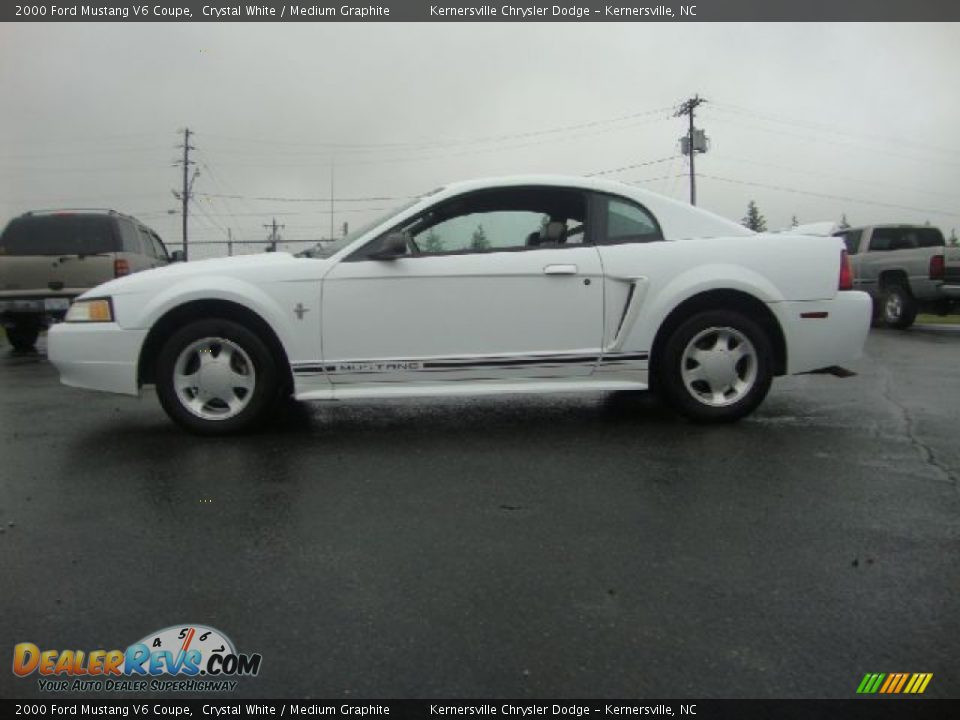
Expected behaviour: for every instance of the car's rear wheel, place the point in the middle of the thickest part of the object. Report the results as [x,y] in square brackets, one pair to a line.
[898,307]
[216,377]
[23,337]
[717,366]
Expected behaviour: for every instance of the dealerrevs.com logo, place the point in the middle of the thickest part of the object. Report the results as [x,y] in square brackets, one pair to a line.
[184,658]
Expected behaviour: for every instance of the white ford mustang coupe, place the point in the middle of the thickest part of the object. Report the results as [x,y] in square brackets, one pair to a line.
[511,285]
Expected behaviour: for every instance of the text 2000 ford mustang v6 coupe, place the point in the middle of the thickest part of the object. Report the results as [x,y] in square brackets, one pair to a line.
[512,285]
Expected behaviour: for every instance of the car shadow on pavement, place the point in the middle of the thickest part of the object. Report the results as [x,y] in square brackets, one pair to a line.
[386,423]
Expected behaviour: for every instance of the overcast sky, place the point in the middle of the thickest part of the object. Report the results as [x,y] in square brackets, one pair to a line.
[812,120]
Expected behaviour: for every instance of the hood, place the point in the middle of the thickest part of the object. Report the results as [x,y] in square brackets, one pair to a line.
[240,266]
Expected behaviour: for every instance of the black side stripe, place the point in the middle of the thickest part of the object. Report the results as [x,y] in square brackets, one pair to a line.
[467,364]
[615,357]
[512,363]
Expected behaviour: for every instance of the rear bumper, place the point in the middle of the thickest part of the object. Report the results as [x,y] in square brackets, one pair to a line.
[823,333]
[951,291]
[34,310]
[96,356]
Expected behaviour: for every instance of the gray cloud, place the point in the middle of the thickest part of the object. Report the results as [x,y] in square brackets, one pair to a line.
[865,112]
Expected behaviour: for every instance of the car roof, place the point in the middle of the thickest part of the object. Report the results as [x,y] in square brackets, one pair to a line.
[76,211]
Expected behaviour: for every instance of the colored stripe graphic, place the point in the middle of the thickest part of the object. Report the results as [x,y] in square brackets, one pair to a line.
[894,683]
[892,679]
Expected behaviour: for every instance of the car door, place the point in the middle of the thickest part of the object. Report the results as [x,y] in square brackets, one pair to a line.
[495,285]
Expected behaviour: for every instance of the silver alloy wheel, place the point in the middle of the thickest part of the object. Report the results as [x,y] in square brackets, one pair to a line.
[214,378]
[893,307]
[719,366]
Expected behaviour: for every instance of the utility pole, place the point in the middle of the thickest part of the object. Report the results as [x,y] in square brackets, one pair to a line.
[331,198]
[229,242]
[694,142]
[184,195]
[274,237]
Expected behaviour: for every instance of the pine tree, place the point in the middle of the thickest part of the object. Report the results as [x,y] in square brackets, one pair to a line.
[843,222]
[953,237]
[753,219]
[793,221]
[432,243]
[479,239]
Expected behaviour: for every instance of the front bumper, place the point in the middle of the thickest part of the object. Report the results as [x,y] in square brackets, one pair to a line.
[823,333]
[96,356]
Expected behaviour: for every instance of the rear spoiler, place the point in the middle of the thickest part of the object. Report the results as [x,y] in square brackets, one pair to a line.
[822,229]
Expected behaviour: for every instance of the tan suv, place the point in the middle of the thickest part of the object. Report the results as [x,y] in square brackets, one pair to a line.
[48,258]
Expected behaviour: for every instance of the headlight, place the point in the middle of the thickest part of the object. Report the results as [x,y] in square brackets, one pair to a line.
[99,310]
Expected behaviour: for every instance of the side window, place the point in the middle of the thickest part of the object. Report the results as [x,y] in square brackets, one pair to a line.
[147,242]
[158,247]
[629,223]
[928,237]
[851,238]
[881,240]
[130,237]
[498,220]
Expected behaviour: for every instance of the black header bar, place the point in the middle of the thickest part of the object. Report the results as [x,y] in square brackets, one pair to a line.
[458,11]
[224,707]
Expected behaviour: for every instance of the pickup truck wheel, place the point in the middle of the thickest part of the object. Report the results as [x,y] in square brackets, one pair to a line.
[898,307]
[23,337]
[216,377]
[716,367]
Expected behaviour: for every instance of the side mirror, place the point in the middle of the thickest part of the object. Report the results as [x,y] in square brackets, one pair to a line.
[392,246]
[177,256]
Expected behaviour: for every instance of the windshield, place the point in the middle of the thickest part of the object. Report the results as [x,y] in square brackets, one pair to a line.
[326,249]
[59,235]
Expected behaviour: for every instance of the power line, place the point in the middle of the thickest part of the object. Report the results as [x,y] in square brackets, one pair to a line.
[900,188]
[310,199]
[812,125]
[832,197]
[450,143]
[630,167]
[837,142]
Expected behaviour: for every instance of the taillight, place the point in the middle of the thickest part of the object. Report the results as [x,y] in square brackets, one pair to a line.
[846,272]
[936,267]
[120,267]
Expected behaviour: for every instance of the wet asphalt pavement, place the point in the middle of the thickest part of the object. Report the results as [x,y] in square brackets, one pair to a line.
[592,546]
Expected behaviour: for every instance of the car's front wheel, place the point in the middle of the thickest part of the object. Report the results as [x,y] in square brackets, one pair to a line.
[717,366]
[216,377]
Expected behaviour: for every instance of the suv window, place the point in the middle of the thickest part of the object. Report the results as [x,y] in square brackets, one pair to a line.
[130,236]
[628,222]
[851,238]
[159,248]
[60,235]
[905,238]
[508,219]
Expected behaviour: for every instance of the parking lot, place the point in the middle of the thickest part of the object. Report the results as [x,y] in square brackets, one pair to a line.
[575,546]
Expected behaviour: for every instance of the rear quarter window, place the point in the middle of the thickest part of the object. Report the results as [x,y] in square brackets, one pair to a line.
[60,235]
[851,239]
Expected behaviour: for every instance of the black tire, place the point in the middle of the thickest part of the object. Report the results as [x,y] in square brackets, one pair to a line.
[266,376]
[23,338]
[754,372]
[897,306]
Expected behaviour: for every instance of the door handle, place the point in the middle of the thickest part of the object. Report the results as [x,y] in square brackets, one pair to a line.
[560,270]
